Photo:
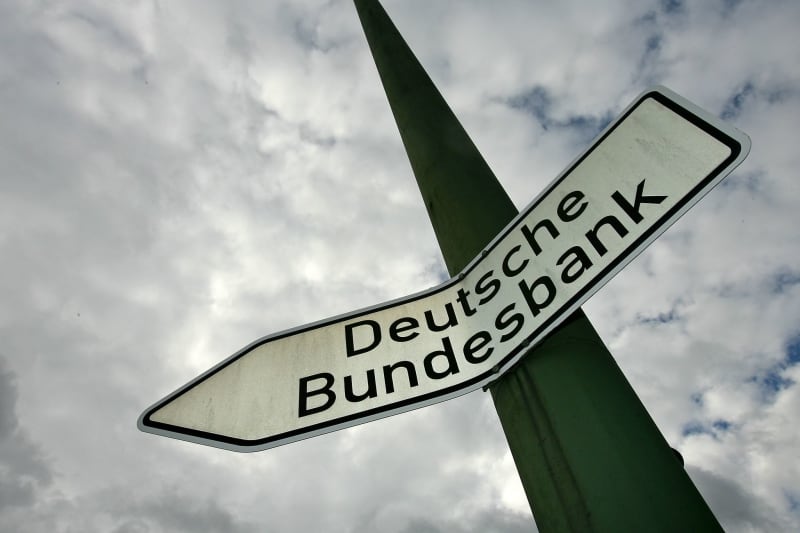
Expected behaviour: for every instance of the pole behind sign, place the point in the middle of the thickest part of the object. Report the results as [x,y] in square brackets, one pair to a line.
[589,455]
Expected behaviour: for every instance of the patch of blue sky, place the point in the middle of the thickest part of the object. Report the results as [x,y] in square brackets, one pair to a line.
[778,95]
[773,380]
[793,500]
[654,42]
[735,104]
[713,429]
[721,425]
[773,92]
[648,68]
[770,383]
[793,350]
[661,318]
[784,279]
[750,181]
[696,428]
[539,103]
[697,398]
[672,6]
[729,5]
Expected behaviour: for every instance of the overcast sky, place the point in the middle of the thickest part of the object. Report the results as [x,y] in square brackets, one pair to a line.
[179,178]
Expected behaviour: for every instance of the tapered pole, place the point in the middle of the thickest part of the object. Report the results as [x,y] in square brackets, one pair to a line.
[589,456]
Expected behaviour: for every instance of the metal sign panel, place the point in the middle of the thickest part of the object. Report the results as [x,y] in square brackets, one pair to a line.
[643,172]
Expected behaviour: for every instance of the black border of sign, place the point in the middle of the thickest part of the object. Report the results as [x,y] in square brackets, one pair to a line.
[736,141]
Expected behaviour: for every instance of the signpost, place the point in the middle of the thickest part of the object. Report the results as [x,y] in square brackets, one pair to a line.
[641,174]
[589,456]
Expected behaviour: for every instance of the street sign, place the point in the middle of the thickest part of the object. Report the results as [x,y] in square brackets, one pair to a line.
[643,172]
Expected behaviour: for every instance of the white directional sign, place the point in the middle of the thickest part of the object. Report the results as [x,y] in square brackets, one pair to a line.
[643,172]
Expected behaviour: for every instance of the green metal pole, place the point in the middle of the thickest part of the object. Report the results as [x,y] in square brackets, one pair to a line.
[589,456]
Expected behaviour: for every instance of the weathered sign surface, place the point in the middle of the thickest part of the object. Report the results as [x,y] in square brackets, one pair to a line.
[643,172]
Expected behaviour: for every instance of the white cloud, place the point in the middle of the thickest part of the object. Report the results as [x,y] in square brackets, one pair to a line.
[181,178]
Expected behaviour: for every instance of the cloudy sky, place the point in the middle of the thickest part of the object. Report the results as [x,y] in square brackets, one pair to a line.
[180,178]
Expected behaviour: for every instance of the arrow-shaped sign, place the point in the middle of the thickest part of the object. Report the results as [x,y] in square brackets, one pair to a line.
[643,172]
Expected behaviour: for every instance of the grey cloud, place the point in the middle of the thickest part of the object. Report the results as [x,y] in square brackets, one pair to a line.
[172,511]
[486,521]
[500,521]
[23,469]
[307,31]
[491,520]
[8,401]
[737,509]
[121,510]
